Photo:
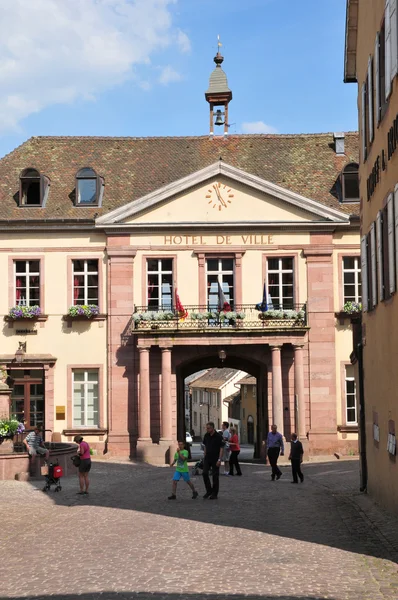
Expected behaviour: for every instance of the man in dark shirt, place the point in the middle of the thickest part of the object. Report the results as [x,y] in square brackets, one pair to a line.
[296,458]
[213,449]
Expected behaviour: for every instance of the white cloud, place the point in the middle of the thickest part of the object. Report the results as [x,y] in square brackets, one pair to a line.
[183,42]
[258,127]
[54,51]
[169,75]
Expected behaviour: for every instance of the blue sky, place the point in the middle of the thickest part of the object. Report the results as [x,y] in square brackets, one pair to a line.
[141,67]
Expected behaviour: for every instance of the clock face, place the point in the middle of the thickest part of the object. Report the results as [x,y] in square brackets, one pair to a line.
[219,196]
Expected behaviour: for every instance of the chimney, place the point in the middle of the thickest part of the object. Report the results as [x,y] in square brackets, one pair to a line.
[339,143]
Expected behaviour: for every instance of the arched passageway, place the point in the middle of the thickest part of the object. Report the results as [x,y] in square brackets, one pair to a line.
[254,367]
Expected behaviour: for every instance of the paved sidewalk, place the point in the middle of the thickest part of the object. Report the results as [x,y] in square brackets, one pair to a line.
[260,540]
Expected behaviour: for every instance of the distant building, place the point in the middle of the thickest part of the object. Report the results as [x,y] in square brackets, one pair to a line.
[209,397]
[247,407]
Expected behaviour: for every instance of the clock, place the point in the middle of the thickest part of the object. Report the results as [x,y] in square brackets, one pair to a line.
[219,196]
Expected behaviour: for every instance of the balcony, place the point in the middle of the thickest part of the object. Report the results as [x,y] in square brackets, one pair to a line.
[210,320]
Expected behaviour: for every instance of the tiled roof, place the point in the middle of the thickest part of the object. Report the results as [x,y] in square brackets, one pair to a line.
[248,380]
[214,378]
[132,167]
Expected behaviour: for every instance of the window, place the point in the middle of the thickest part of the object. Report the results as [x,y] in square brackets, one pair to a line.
[195,396]
[33,188]
[383,77]
[350,183]
[220,282]
[85,397]
[27,282]
[195,418]
[254,392]
[160,283]
[352,279]
[88,186]
[280,282]
[218,399]
[214,399]
[85,281]
[350,396]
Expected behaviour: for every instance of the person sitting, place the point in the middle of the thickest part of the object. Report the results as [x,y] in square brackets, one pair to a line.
[35,445]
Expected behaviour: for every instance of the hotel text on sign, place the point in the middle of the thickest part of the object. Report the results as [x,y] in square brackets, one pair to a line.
[218,240]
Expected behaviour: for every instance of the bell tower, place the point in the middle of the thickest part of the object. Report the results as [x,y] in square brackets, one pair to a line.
[218,95]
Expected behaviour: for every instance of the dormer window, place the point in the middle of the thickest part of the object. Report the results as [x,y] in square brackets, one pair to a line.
[88,187]
[33,189]
[350,183]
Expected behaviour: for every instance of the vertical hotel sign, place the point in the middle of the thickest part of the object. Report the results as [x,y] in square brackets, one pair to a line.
[380,163]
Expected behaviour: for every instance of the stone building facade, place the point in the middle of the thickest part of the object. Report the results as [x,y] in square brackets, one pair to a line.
[158,235]
[371,61]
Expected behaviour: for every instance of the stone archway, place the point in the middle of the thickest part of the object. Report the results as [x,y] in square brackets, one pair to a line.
[241,359]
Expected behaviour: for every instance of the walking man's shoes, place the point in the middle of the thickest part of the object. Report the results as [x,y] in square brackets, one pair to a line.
[172,497]
[279,476]
[212,497]
[195,495]
[207,495]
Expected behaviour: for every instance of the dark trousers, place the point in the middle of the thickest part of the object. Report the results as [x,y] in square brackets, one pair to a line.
[273,455]
[296,469]
[233,462]
[210,462]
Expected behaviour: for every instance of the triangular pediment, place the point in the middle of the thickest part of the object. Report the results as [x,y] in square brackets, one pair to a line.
[224,194]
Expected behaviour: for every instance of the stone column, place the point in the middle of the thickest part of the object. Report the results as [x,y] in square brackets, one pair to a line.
[166,433]
[144,403]
[277,396]
[299,390]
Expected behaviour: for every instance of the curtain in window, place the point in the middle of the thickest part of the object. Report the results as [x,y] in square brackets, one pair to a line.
[75,288]
[18,290]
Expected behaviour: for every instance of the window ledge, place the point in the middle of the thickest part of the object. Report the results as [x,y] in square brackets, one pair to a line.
[40,318]
[101,317]
[85,431]
[341,315]
[348,428]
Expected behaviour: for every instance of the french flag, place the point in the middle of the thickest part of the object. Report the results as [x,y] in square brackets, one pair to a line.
[223,305]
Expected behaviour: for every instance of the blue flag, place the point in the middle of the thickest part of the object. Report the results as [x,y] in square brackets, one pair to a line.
[266,303]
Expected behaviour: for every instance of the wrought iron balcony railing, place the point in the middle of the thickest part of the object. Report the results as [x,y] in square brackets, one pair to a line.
[208,318]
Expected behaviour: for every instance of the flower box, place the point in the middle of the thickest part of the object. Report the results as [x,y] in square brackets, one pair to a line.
[25,313]
[85,311]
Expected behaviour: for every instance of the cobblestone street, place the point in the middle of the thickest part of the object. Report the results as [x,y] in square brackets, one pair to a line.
[261,540]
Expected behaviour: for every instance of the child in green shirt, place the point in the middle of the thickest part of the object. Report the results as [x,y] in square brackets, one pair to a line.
[182,471]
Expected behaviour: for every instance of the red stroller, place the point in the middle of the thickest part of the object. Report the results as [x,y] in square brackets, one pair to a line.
[53,476]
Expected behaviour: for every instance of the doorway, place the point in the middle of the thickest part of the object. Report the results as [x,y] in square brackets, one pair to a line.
[250,430]
[27,398]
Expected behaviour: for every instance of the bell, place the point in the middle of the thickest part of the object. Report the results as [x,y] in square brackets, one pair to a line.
[219,120]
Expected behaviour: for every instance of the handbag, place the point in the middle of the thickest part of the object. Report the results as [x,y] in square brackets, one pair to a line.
[76,460]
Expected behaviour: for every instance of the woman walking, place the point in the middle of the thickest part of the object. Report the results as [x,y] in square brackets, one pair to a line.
[235,449]
[85,464]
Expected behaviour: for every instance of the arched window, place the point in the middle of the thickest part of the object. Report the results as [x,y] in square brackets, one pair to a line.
[350,183]
[88,185]
[33,188]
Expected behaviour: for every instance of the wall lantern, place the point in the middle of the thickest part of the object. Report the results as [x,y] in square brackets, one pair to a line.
[20,353]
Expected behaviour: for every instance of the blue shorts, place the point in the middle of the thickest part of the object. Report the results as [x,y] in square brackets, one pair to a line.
[178,475]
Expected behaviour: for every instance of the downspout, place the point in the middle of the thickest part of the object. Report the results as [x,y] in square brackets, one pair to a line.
[362,419]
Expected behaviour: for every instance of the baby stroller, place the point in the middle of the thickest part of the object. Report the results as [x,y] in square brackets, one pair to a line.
[52,477]
[197,469]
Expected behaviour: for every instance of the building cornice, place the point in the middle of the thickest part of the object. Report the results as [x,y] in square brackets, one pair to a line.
[350,50]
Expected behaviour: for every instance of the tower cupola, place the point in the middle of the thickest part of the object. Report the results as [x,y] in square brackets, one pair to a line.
[218,94]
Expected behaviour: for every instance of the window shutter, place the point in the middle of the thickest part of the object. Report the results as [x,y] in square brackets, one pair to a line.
[391,253]
[379,240]
[364,269]
[377,80]
[363,122]
[370,99]
[396,233]
[394,38]
[373,264]
[387,51]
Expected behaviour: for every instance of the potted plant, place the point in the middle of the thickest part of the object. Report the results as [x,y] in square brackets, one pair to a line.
[9,428]
[24,312]
[87,311]
[151,318]
[352,308]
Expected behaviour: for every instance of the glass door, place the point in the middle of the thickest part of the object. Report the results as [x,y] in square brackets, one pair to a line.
[27,399]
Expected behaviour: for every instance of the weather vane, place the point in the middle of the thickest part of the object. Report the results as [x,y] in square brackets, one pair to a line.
[219,44]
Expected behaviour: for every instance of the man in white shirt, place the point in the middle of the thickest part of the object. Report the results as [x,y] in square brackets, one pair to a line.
[226,452]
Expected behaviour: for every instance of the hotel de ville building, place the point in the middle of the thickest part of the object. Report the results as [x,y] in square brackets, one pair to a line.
[128,264]
[371,60]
